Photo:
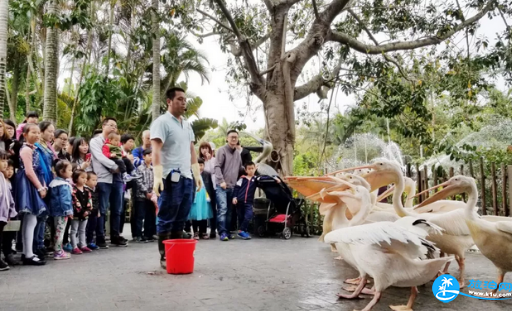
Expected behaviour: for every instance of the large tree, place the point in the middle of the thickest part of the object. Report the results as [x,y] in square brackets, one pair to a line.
[51,64]
[345,32]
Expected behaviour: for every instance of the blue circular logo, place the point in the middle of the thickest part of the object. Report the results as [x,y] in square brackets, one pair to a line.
[446,288]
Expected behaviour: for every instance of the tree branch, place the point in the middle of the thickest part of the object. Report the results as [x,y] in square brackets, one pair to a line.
[372,37]
[315,8]
[250,63]
[405,45]
[215,20]
[316,83]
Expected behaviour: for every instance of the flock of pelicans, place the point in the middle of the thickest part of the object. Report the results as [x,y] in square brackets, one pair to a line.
[397,246]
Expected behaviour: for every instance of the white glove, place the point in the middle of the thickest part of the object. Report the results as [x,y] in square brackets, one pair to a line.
[158,181]
[197,176]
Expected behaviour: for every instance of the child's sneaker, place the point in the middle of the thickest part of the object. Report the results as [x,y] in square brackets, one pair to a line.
[76,251]
[61,255]
[68,248]
[93,246]
[85,249]
[244,235]
[224,237]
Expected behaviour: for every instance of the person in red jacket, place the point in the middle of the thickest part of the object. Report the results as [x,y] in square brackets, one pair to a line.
[243,198]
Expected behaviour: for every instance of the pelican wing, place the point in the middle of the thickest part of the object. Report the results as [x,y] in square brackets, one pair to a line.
[504,226]
[453,223]
[374,233]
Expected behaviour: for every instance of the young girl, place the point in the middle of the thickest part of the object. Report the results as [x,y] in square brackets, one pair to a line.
[61,207]
[82,207]
[79,155]
[46,157]
[8,237]
[207,153]
[7,210]
[201,210]
[30,190]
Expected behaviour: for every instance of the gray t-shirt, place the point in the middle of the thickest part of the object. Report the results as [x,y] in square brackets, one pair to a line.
[176,137]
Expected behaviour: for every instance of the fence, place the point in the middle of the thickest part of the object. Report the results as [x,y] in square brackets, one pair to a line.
[494,182]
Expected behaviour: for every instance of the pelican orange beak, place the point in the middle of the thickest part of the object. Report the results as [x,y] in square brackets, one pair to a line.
[385,194]
[448,190]
[324,191]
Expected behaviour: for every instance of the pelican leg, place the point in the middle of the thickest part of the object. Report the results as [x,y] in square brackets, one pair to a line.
[408,307]
[356,293]
[373,302]
[365,291]
[333,248]
[501,276]
[462,268]
[355,281]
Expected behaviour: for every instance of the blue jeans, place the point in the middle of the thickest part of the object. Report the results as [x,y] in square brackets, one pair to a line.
[244,211]
[111,195]
[224,199]
[39,233]
[174,205]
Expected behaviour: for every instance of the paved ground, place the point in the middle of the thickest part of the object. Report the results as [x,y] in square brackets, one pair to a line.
[261,274]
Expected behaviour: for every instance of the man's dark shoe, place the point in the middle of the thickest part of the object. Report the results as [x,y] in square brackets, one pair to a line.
[102,245]
[161,247]
[117,241]
[3,265]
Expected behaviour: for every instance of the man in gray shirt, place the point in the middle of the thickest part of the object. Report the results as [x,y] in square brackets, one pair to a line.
[175,168]
[229,164]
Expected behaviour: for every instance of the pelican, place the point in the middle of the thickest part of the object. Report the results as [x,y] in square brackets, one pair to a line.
[456,238]
[493,238]
[395,246]
[261,167]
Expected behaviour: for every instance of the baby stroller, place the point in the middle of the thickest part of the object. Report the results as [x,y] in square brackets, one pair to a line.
[279,212]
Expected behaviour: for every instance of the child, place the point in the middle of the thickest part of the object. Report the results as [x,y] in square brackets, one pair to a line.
[112,150]
[82,207]
[201,210]
[7,210]
[210,191]
[143,207]
[93,224]
[8,237]
[61,206]
[243,198]
[30,191]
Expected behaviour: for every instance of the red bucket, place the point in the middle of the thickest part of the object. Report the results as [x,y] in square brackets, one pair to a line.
[179,255]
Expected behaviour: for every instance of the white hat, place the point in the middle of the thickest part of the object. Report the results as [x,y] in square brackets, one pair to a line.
[212,145]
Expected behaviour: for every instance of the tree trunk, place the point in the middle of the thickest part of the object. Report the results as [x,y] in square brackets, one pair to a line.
[155,105]
[4,18]
[111,30]
[15,82]
[279,132]
[51,68]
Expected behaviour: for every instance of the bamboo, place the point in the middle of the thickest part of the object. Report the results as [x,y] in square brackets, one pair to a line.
[482,185]
[425,172]
[462,173]
[434,176]
[503,189]
[418,172]
[451,174]
[494,189]
[509,176]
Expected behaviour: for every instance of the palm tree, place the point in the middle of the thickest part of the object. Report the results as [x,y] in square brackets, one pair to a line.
[155,107]
[51,66]
[446,283]
[4,20]
[179,56]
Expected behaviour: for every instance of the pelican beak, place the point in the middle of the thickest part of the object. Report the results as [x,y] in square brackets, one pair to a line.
[385,194]
[349,169]
[432,188]
[321,195]
[449,190]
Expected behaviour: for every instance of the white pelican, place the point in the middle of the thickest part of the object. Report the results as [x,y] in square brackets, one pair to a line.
[493,239]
